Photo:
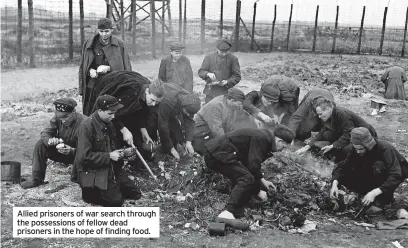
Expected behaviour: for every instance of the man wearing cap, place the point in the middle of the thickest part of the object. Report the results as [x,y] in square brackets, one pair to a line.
[176,68]
[102,53]
[62,131]
[304,120]
[175,117]
[278,97]
[220,70]
[239,155]
[394,79]
[373,168]
[333,140]
[219,117]
[99,158]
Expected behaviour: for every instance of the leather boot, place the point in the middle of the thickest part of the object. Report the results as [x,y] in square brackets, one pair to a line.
[31,183]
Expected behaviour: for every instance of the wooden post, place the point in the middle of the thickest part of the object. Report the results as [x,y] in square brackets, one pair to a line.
[221,18]
[122,21]
[70,32]
[81,21]
[132,9]
[19,30]
[237,24]
[169,15]
[134,28]
[335,30]
[109,9]
[405,35]
[31,32]
[315,29]
[180,19]
[153,20]
[185,23]
[273,30]
[163,41]
[290,22]
[202,25]
[361,31]
[383,30]
[253,28]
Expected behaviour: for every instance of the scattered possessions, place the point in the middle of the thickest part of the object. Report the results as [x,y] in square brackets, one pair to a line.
[377,105]
[234,223]
[306,228]
[216,229]
[402,214]
[194,226]
[58,188]
[10,171]
[397,244]
[392,225]
[364,224]
[257,218]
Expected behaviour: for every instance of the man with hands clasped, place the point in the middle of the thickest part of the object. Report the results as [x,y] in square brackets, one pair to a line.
[58,140]
[99,159]
[102,53]
[373,168]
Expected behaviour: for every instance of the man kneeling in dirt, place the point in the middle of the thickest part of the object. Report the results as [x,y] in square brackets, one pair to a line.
[238,155]
[373,168]
[58,140]
[333,140]
[99,161]
[278,99]
[219,116]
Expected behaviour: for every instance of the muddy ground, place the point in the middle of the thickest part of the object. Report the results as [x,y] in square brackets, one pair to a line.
[26,107]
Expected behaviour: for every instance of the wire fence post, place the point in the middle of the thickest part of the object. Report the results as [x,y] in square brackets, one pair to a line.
[70,32]
[169,15]
[253,28]
[163,19]
[180,19]
[237,24]
[273,30]
[81,21]
[335,30]
[290,21]
[122,21]
[361,31]
[31,32]
[405,35]
[185,24]
[19,30]
[221,18]
[153,20]
[383,30]
[315,29]
[109,12]
[134,50]
[202,25]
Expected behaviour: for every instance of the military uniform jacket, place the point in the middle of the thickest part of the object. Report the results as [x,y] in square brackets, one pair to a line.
[95,141]
[248,145]
[179,72]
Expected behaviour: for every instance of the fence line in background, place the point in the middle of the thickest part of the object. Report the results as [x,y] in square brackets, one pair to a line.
[20,42]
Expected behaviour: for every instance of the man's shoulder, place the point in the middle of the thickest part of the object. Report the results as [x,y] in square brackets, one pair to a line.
[232,56]
[118,41]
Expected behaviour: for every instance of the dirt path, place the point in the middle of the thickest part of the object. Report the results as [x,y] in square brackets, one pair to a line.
[27,87]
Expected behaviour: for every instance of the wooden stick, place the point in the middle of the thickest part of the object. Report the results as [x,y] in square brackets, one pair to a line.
[144,163]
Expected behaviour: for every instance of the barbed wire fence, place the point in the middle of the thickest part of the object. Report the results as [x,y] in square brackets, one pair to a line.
[39,32]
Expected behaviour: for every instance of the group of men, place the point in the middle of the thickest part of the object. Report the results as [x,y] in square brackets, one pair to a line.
[234,132]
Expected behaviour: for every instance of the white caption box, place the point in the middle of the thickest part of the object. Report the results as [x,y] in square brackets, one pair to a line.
[75,222]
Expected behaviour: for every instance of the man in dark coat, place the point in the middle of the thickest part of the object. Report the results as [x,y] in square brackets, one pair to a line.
[373,168]
[334,138]
[176,68]
[220,116]
[99,158]
[58,141]
[238,155]
[220,70]
[394,79]
[277,100]
[304,120]
[101,54]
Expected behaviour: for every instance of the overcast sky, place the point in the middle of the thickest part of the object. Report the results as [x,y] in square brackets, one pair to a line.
[303,10]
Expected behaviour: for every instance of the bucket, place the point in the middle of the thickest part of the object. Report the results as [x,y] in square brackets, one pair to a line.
[10,171]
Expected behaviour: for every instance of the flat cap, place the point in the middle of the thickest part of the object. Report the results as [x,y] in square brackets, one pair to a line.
[223,45]
[105,23]
[65,104]
[107,102]
[176,46]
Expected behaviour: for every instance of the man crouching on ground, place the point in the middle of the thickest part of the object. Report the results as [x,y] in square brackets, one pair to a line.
[99,161]
[63,128]
[238,155]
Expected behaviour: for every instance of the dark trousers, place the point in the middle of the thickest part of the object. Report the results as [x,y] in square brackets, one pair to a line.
[199,141]
[41,154]
[363,182]
[245,183]
[176,131]
[330,137]
[117,191]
